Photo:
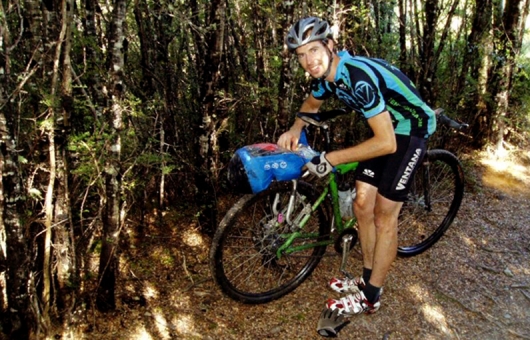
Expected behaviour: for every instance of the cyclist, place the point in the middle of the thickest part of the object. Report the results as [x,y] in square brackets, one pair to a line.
[400,121]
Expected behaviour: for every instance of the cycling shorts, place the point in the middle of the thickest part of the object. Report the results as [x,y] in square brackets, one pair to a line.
[392,174]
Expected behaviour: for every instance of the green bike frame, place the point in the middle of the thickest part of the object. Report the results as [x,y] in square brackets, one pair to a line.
[337,221]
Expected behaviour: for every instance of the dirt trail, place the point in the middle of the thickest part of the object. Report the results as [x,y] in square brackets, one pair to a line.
[473,284]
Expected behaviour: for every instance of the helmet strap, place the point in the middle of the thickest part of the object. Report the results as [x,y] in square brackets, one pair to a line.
[326,74]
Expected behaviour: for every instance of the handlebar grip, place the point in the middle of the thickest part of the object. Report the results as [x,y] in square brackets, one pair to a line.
[451,123]
[448,121]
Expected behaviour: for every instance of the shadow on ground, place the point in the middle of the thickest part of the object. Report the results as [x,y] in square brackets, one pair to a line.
[473,284]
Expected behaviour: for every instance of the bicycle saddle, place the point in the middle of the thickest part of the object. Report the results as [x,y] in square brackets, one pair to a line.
[320,118]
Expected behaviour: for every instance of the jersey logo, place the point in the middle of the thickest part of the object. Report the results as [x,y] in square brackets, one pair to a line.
[364,94]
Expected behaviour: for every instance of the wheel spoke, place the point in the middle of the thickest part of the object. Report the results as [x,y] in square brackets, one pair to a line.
[244,249]
[424,219]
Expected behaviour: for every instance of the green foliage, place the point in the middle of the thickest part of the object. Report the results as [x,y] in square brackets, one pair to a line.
[170,86]
[164,78]
[96,246]
[87,148]
[518,119]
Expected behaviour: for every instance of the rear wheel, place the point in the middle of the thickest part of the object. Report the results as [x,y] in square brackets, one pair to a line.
[433,202]
[243,257]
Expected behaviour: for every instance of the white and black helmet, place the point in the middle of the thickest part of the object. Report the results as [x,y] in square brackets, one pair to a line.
[307,30]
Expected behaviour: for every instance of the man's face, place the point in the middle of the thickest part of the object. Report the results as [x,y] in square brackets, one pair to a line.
[314,58]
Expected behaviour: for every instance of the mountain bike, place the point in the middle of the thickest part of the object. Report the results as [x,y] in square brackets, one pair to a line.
[268,243]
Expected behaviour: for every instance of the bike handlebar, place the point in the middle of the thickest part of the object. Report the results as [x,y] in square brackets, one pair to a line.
[440,117]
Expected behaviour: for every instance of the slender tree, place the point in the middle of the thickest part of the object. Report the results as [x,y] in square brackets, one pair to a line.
[505,65]
[64,244]
[427,56]
[475,59]
[106,107]
[286,75]
[112,223]
[20,320]
[206,147]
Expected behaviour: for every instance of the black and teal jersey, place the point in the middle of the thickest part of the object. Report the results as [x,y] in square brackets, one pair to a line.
[371,86]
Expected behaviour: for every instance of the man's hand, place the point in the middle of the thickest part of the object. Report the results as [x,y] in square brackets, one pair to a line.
[319,165]
[289,140]
[330,323]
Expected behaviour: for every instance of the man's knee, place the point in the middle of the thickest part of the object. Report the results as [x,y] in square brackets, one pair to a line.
[385,224]
[363,209]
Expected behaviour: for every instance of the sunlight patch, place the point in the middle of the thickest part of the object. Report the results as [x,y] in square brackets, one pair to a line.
[469,241]
[506,170]
[506,165]
[192,238]
[141,334]
[418,292]
[149,291]
[185,326]
[435,316]
[162,326]
[180,299]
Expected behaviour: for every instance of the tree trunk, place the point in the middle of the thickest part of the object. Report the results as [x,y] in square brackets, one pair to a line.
[147,50]
[509,49]
[108,265]
[402,35]
[208,154]
[49,204]
[427,57]
[286,72]
[64,246]
[20,320]
[474,60]
[260,22]
[93,46]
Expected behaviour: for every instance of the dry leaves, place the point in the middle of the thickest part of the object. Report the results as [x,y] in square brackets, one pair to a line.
[473,284]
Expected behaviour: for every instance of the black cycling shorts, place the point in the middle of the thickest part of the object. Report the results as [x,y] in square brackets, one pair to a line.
[392,174]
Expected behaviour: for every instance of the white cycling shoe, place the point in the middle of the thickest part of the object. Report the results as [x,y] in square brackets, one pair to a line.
[346,285]
[353,304]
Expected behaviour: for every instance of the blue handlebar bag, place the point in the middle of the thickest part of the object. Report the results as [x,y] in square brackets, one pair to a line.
[254,167]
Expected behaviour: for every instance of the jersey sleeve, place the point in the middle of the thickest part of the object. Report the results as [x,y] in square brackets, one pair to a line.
[365,89]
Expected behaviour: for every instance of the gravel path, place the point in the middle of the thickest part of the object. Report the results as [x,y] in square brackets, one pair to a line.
[473,284]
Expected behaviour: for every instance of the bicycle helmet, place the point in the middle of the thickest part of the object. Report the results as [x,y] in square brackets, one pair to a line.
[307,30]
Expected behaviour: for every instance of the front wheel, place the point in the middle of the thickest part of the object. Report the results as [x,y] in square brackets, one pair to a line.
[243,254]
[433,202]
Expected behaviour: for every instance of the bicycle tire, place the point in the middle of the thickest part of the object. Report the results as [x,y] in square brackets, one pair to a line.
[440,180]
[242,259]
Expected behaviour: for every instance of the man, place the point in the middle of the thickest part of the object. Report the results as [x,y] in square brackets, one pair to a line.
[400,121]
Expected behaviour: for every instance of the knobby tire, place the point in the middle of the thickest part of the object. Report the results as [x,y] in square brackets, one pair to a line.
[242,255]
[440,181]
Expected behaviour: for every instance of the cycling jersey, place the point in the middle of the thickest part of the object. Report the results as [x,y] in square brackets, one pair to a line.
[371,86]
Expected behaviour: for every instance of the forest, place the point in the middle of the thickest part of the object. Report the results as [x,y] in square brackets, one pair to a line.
[113,111]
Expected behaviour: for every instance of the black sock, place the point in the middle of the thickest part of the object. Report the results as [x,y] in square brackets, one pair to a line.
[371,292]
[366,275]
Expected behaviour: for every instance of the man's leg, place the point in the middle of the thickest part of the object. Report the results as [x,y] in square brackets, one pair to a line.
[386,214]
[364,206]
[364,211]
[377,218]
